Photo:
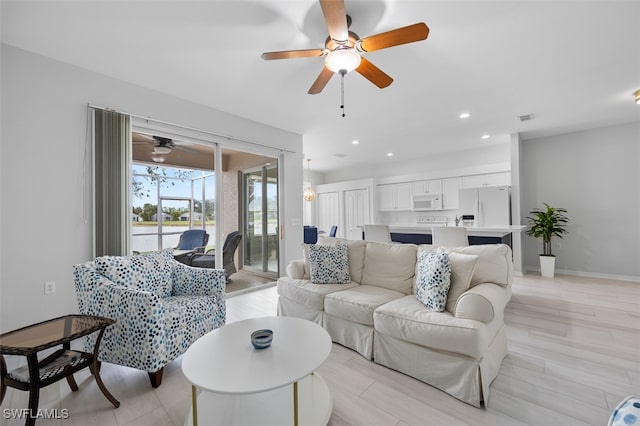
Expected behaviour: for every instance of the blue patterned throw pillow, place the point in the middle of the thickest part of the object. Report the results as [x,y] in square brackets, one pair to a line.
[627,413]
[433,280]
[329,264]
[147,272]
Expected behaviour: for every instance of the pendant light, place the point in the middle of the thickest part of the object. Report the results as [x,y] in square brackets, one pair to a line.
[308,193]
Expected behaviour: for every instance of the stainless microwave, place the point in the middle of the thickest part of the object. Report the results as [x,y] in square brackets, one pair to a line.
[425,202]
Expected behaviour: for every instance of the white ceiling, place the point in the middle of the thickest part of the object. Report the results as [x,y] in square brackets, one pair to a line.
[573,65]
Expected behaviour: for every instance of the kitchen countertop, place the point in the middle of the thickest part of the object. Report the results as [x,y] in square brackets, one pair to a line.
[477,231]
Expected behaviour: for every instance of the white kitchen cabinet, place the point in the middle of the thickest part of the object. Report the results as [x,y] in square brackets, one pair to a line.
[450,187]
[403,196]
[427,186]
[472,181]
[497,179]
[385,197]
[394,196]
[488,179]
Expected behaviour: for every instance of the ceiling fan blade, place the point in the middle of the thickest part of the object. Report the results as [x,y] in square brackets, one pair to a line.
[141,137]
[288,54]
[373,74]
[335,16]
[186,149]
[409,34]
[321,81]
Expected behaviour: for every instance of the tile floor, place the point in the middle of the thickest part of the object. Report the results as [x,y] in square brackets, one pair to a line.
[574,353]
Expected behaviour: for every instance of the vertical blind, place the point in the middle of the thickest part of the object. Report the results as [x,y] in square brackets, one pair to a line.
[112,155]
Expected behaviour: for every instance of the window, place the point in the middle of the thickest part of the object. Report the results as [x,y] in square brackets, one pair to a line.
[166,201]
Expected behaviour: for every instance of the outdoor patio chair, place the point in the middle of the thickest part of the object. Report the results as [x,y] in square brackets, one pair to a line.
[208,259]
[194,240]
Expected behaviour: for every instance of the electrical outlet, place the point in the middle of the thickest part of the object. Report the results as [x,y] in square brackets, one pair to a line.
[49,287]
[558,246]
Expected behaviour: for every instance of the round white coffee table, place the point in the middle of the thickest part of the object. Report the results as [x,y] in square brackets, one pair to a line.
[246,386]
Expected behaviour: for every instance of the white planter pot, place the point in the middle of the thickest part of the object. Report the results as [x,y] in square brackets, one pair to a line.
[547,266]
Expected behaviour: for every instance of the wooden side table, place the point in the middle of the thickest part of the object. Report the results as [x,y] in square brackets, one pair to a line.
[30,340]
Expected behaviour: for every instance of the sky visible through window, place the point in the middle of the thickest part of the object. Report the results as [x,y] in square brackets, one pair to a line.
[175,182]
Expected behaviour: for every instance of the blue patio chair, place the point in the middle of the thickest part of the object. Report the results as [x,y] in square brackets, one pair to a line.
[191,239]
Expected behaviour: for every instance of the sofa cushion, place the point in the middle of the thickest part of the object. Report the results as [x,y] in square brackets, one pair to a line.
[390,266]
[308,294]
[433,278]
[409,320]
[358,303]
[356,255]
[495,263]
[329,264]
[147,272]
[462,268]
[181,310]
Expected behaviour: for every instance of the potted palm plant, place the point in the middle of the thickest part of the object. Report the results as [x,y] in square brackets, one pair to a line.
[546,223]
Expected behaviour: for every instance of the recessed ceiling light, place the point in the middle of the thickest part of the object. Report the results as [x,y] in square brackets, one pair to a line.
[486,136]
[389,154]
[465,115]
[355,142]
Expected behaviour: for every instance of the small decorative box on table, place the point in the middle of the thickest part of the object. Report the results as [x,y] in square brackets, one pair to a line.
[30,340]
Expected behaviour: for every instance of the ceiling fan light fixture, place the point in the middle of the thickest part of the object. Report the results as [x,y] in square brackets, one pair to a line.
[157,157]
[161,150]
[346,59]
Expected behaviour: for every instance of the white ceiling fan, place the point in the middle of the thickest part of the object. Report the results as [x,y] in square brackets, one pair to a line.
[162,146]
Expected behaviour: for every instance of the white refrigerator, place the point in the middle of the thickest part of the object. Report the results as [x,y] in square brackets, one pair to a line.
[490,205]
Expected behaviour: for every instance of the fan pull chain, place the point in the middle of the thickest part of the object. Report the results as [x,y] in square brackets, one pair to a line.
[342,73]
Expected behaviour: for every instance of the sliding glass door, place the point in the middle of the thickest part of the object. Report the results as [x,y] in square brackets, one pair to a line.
[166,201]
[260,202]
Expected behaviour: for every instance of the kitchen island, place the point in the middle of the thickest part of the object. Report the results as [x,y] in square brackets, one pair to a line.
[421,234]
[508,234]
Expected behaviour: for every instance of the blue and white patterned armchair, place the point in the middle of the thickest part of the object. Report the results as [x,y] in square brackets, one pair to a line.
[161,307]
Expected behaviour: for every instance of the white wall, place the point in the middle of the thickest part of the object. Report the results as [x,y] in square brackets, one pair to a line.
[45,195]
[309,207]
[595,175]
[485,159]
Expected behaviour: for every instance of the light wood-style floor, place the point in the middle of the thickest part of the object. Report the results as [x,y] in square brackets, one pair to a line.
[574,353]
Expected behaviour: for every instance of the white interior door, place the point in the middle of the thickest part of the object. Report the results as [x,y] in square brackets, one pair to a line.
[356,209]
[328,210]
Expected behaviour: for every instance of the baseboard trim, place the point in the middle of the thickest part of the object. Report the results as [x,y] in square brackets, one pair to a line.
[588,274]
[250,289]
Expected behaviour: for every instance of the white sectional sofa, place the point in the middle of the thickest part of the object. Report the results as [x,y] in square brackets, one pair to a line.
[377,314]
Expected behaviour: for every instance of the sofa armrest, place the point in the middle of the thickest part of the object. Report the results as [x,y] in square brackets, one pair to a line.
[295,269]
[483,302]
[190,281]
